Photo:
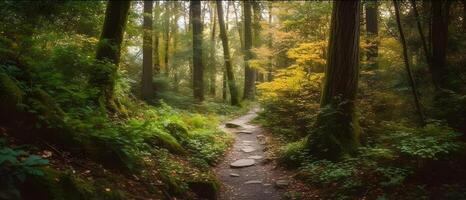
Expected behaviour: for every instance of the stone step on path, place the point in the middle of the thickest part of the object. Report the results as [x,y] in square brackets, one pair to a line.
[243,163]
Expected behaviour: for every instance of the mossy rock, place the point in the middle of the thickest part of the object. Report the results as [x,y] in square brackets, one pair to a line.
[167,141]
[294,154]
[178,131]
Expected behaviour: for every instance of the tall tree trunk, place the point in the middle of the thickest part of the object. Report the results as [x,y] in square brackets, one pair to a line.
[174,33]
[239,26]
[249,74]
[332,140]
[439,41]
[226,56]
[270,45]
[147,51]
[372,29]
[257,32]
[213,71]
[421,32]
[198,68]
[109,48]
[408,69]
[166,36]
[156,41]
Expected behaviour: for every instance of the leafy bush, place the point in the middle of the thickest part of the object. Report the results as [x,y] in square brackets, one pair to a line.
[15,167]
[290,102]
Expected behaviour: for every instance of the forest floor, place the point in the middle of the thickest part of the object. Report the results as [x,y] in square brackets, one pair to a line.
[253,174]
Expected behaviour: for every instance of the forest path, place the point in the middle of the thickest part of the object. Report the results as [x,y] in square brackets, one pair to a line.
[258,181]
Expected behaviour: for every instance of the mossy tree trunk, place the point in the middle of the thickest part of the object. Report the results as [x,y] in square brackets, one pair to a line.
[249,73]
[108,50]
[372,30]
[198,68]
[226,56]
[147,73]
[408,68]
[270,44]
[336,130]
[257,40]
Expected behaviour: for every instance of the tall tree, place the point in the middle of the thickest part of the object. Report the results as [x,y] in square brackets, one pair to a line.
[408,68]
[212,67]
[156,33]
[372,29]
[226,56]
[336,131]
[108,49]
[198,68]
[166,36]
[439,41]
[174,33]
[270,44]
[249,74]
[147,51]
[257,33]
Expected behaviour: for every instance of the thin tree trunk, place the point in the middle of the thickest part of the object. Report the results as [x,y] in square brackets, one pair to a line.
[166,37]
[198,68]
[270,45]
[257,31]
[240,27]
[226,56]
[109,48]
[332,140]
[408,69]
[421,32]
[213,71]
[147,51]
[174,33]
[249,74]
[372,29]
[156,40]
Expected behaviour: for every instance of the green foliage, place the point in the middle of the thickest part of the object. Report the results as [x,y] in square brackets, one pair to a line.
[289,101]
[15,167]
[294,154]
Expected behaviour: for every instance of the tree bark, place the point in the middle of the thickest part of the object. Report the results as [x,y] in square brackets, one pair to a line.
[439,41]
[198,68]
[336,131]
[213,70]
[174,33]
[156,41]
[408,69]
[249,74]
[108,50]
[270,45]
[257,32]
[147,51]
[372,29]
[226,56]
[166,37]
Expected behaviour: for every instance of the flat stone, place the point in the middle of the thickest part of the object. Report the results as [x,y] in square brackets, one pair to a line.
[243,163]
[281,183]
[247,141]
[267,184]
[234,175]
[232,125]
[253,182]
[255,157]
[247,149]
[244,132]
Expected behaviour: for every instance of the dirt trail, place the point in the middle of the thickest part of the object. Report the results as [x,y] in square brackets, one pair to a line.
[255,182]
